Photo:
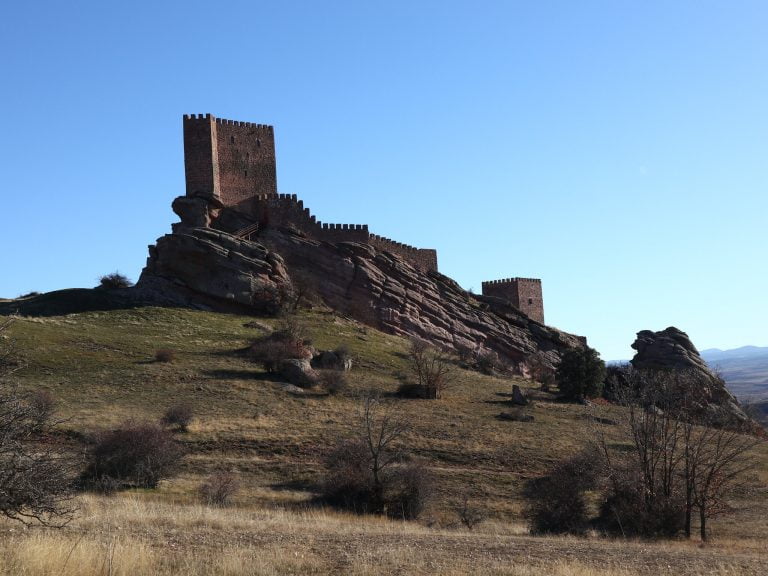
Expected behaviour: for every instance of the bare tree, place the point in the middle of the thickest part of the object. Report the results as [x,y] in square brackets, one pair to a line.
[716,462]
[683,459]
[370,472]
[382,428]
[35,475]
[431,367]
[304,291]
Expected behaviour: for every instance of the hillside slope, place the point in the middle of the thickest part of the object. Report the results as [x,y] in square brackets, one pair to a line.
[100,367]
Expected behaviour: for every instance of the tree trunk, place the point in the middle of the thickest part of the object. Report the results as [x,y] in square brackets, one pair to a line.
[703,523]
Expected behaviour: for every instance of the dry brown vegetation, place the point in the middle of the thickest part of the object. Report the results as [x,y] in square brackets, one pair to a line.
[95,366]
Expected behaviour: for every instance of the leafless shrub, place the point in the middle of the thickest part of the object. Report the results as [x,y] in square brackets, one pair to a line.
[286,342]
[35,474]
[42,405]
[135,454]
[541,372]
[628,510]
[334,381]
[466,354]
[291,329]
[488,362]
[342,352]
[271,353]
[303,290]
[219,489]
[684,458]
[369,473]
[165,355]
[408,489]
[179,415]
[431,367]
[469,514]
[556,503]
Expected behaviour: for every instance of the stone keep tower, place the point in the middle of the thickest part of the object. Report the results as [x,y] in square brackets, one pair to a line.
[523,293]
[228,160]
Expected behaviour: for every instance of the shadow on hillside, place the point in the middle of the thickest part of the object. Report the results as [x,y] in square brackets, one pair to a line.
[506,402]
[71,301]
[296,485]
[77,300]
[227,374]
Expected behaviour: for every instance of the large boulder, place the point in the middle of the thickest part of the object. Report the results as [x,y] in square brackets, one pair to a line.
[201,265]
[299,372]
[671,349]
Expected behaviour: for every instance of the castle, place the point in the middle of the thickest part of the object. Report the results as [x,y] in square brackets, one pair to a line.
[231,165]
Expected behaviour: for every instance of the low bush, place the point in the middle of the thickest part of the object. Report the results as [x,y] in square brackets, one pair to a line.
[431,368]
[342,352]
[114,280]
[556,502]
[489,363]
[137,454]
[165,355]
[371,473]
[580,374]
[286,342]
[334,381]
[628,511]
[43,405]
[179,415]
[271,353]
[469,514]
[219,489]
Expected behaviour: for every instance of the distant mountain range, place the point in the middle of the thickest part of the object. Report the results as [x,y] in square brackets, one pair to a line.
[745,370]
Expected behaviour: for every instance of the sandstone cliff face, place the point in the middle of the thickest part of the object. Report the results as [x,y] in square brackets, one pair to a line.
[204,267]
[198,265]
[672,349]
[383,291]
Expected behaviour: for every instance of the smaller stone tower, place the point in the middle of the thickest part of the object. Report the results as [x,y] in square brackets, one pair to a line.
[523,293]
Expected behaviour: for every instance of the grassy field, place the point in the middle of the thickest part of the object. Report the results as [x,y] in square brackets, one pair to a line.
[100,367]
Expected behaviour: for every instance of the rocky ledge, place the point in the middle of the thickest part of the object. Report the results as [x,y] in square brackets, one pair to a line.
[211,268]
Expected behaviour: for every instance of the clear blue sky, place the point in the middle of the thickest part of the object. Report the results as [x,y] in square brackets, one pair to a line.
[616,150]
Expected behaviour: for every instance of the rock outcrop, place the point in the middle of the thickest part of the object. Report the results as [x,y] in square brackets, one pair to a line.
[202,264]
[671,349]
[382,290]
[208,268]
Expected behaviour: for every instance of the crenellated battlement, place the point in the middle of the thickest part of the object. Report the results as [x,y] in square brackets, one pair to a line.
[233,163]
[227,122]
[511,281]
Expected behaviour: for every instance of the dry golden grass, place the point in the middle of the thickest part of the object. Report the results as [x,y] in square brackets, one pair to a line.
[130,535]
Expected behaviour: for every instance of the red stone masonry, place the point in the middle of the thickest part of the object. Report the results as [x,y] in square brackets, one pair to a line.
[229,160]
[234,162]
[523,293]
